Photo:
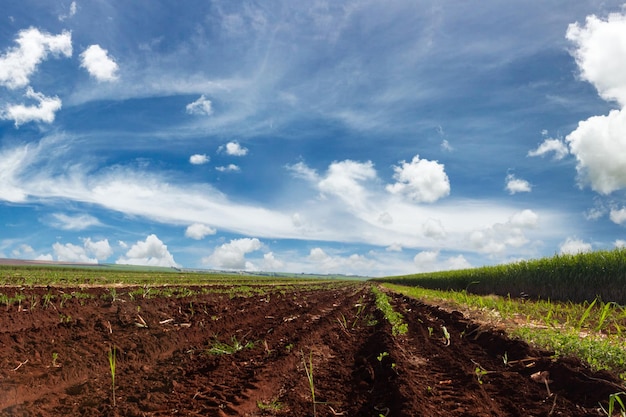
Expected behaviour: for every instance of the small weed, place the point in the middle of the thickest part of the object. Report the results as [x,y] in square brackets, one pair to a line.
[273,405]
[221,348]
[55,358]
[381,356]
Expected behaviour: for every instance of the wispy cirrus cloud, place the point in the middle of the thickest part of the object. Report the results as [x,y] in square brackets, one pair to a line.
[77,222]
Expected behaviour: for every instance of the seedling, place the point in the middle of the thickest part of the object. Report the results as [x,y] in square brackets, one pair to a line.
[615,398]
[308,368]
[480,372]
[112,359]
[55,358]
[446,335]
[381,356]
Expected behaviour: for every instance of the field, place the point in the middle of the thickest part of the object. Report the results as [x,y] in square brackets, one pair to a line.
[285,347]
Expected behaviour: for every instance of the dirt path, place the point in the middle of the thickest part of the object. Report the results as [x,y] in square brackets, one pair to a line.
[54,359]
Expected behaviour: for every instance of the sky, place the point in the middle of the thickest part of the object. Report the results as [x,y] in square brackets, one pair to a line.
[333,137]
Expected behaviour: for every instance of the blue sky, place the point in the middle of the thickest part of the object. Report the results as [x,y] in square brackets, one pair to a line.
[356,137]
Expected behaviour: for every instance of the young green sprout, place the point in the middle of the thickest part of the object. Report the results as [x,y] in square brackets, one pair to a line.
[112,359]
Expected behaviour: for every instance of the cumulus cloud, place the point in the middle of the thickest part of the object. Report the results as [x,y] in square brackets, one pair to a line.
[572,246]
[100,249]
[433,228]
[601,54]
[498,237]
[199,231]
[151,252]
[44,111]
[516,185]
[619,243]
[270,263]
[78,222]
[233,148]
[429,261]
[618,216]
[421,180]
[344,179]
[198,159]
[351,264]
[22,250]
[599,143]
[99,64]
[90,252]
[232,255]
[19,63]
[551,145]
[228,168]
[200,107]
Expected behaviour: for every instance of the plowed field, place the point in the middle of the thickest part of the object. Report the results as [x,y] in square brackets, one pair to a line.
[172,358]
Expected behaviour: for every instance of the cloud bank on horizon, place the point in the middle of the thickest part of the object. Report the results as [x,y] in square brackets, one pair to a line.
[335,137]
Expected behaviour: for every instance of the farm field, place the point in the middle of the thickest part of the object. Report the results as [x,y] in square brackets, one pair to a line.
[305,349]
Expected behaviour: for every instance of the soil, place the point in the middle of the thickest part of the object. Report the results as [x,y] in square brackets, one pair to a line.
[54,359]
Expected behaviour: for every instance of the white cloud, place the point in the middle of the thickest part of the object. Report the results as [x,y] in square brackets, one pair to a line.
[618,216]
[44,111]
[199,231]
[151,252]
[19,63]
[445,145]
[12,163]
[79,222]
[301,170]
[99,64]
[72,253]
[495,239]
[421,180]
[433,228]
[385,218]
[22,250]
[551,145]
[71,12]
[344,180]
[394,248]
[234,149]
[425,260]
[270,263]
[516,185]
[100,250]
[601,54]
[599,143]
[198,159]
[228,168]
[352,264]
[232,255]
[429,261]
[201,107]
[573,246]
[620,243]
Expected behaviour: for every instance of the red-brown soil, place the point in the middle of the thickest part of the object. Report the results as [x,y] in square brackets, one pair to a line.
[359,368]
